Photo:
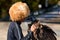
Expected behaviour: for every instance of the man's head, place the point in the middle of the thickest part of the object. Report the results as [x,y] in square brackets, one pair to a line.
[19,11]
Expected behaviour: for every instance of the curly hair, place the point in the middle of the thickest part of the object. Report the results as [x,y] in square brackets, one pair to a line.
[19,11]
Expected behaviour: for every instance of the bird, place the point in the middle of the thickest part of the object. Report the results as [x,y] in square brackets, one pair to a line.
[43,32]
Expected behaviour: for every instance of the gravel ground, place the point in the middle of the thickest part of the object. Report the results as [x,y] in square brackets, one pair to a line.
[4,28]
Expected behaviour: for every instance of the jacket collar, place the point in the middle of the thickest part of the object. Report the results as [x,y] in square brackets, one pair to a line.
[18,23]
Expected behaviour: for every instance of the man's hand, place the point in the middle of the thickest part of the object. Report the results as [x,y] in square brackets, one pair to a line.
[33,28]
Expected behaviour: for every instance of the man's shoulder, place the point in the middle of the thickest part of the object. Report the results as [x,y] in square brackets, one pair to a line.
[12,25]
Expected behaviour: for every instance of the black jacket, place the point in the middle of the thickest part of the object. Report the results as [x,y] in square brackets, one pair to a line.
[13,32]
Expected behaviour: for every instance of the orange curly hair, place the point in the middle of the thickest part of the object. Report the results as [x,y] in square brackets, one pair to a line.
[19,11]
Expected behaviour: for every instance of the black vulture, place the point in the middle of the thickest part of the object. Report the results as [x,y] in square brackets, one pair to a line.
[44,32]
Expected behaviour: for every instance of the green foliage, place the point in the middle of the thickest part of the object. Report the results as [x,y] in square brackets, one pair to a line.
[33,4]
[52,1]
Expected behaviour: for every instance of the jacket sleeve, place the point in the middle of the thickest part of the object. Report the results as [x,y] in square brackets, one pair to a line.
[13,34]
[10,34]
[19,32]
[27,37]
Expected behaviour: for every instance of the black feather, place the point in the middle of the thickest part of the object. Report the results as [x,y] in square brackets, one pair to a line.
[46,34]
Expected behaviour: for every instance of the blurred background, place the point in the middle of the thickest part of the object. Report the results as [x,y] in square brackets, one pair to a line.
[44,9]
[47,11]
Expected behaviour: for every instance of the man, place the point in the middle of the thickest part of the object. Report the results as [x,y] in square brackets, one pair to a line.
[18,12]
